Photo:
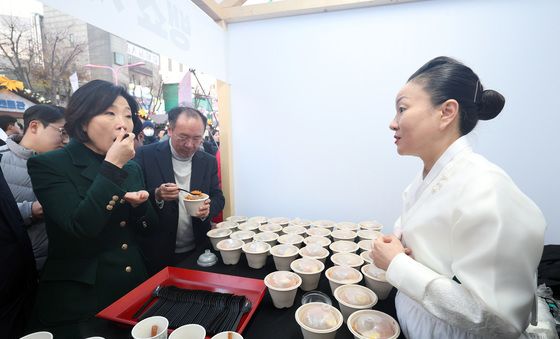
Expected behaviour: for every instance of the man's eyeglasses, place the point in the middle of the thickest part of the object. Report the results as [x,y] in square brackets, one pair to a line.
[63,135]
[185,138]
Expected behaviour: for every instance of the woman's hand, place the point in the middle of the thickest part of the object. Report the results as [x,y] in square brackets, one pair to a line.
[122,149]
[136,198]
[385,249]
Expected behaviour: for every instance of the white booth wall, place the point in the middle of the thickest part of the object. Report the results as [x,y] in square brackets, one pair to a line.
[312,97]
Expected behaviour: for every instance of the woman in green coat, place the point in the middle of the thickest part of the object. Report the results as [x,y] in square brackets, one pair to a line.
[95,206]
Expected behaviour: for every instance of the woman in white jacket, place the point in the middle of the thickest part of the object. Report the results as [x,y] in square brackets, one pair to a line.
[468,243]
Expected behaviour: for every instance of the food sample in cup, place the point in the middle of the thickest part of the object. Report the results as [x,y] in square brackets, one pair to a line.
[292,239]
[259,219]
[373,225]
[249,226]
[300,222]
[268,237]
[196,195]
[366,255]
[230,244]
[270,227]
[237,218]
[365,245]
[318,317]
[314,251]
[343,246]
[279,220]
[318,231]
[369,234]
[346,225]
[374,272]
[246,236]
[282,280]
[314,239]
[218,234]
[232,225]
[256,247]
[373,324]
[343,275]
[355,296]
[347,259]
[343,235]
[294,230]
[307,266]
[284,250]
[323,223]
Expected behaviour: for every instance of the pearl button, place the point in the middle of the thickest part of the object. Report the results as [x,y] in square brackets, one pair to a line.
[124,247]
[112,203]
[128,269]
[122,223]
[115,198]
[109,207]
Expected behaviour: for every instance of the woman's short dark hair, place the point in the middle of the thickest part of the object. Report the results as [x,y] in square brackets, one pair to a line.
[91,100]
[44,113]
[445,78]
[174,113]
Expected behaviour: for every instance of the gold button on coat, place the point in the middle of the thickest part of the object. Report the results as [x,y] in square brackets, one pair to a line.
[109,207]
[128,269]
[123,201]
[115,198]
[122,223]
[112,203]
[124,247]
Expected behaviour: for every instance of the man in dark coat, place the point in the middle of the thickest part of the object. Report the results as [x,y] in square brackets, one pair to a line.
[168,166]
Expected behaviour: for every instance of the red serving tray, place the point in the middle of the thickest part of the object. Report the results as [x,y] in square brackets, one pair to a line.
[121,311]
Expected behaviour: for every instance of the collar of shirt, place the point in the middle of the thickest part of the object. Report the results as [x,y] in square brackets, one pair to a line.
[176,155]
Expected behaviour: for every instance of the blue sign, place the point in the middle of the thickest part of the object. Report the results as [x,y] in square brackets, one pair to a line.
[12,104]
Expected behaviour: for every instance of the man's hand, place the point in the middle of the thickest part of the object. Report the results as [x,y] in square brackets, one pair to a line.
[204,210]
[167,192]
[136,198]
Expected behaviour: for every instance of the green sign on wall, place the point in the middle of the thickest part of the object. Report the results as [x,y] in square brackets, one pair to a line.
[171,96]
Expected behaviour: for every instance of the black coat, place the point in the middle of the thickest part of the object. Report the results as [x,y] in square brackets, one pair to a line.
[155,160]
[18,277]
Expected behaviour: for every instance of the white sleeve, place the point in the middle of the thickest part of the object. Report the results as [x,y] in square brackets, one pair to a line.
[497,242]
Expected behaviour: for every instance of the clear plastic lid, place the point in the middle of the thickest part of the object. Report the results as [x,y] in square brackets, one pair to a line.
[256,247]
[259,219]
[366,245]
[307,265]
[227,224]
[248,226]
[294,230]
[318,231]
[343,234]
[319,316]
[290,239]
[314,250]
[315,297]
[270,227]
[344,274]
[323,223]
[355,295]
[373,324]
[374,271]
[265,236]
[344,246]
[282,280]
[346,225]
[279,220]
[284,250]
[230,244]
[314,239]
[242,235]
[219,232]
[237,218]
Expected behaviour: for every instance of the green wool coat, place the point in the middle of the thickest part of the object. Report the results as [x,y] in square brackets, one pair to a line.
[93,256]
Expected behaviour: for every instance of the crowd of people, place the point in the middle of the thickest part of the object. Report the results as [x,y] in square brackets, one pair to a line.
[463,255]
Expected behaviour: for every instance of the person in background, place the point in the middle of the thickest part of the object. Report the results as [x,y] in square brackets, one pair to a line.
[43,131]
[9,125]
[139,134]
[18,277]
[95,207]
[149,132]
[211,144]
[473,239]
[176,164]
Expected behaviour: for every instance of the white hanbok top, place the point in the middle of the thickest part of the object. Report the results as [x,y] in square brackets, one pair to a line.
[466,220]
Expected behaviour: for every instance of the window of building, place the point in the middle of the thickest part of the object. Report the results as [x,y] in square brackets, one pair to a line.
[170,65]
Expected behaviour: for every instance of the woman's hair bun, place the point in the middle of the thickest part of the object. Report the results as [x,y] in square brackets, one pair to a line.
[491,104]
